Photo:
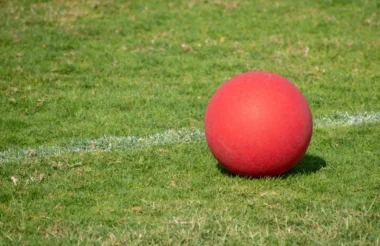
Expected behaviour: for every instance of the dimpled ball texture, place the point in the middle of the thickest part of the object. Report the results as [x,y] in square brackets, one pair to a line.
[258,124]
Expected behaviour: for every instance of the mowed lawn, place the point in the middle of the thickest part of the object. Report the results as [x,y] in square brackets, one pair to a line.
[78,72]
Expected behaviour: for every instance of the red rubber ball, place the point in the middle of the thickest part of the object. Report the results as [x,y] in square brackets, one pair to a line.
[258,124]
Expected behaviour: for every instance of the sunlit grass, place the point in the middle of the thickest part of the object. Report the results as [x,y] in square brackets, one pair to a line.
[75,71]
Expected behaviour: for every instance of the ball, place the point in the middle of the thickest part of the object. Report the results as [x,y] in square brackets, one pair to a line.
[258,124]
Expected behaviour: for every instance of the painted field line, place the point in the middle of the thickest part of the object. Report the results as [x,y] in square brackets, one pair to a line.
[347,119]
[185,135]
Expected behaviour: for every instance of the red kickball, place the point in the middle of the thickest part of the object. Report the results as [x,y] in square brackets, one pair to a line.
[258,124]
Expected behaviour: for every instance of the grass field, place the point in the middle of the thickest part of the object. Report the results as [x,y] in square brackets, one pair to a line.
[101,122]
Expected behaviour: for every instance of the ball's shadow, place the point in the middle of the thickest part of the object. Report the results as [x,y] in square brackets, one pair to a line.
[308,165]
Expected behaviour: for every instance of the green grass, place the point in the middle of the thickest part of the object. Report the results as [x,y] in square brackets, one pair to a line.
[77,70]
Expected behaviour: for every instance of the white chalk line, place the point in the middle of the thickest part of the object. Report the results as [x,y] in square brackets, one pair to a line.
[105,144]
[184,135]
[347,119]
